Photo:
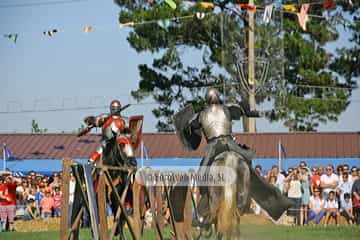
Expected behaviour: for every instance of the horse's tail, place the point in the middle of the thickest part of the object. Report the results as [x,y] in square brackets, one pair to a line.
[233,195]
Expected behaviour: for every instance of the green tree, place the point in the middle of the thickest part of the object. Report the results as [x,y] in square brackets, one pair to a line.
[298,60]
[35,127]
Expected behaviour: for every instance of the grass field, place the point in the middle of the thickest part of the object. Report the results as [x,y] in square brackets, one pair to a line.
[248,232]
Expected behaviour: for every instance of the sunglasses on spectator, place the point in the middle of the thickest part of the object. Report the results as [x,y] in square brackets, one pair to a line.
[328,169]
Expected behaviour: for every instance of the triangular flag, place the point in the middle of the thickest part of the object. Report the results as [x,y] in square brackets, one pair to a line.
[328,4]
[12,37]
[199,15]
[127,24]
[164,24]
[88,29]
[302,16]
[290,8]
[267,13]
[246,7]
[207,5]
[171,3]
[50,33]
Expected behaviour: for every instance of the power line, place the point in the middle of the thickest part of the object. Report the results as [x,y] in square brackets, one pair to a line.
[42,3]
[70,109]
[150,103]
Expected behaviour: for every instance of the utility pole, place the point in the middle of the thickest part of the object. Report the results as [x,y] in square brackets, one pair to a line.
[250,123]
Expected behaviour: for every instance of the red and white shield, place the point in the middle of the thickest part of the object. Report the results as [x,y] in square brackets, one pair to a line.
[135,126]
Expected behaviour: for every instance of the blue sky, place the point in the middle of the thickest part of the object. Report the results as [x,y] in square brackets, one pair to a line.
[75,69]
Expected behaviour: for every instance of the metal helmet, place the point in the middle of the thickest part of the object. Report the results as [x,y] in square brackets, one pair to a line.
[212,96]
[115,107]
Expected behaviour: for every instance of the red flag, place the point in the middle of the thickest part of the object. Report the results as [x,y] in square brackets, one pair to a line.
[328,4]
[246,7]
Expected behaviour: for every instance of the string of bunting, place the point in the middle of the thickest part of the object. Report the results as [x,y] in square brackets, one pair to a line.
[302,15]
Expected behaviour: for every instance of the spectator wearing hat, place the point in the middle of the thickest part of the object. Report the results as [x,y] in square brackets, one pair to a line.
[47,204]
[346,209]
[332,208]
[316,207]
[329,181]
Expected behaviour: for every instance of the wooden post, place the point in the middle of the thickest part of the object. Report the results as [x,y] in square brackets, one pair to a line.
[121,205]
[251,70]
[150,194]
[188,215]
[136,210]
[159,206]
[64,221]
[101,196]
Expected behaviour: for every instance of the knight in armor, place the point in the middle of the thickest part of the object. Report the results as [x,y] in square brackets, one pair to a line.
[113,125]
[215,122]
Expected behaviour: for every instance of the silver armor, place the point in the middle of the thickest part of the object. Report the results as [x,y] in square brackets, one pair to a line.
[215,121]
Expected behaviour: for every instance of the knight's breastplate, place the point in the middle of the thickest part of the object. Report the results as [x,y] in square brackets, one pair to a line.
[215,121]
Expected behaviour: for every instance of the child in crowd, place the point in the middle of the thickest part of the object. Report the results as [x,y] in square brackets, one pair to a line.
[47,204]
[332,209]
[57,202]
[346,209]
[32,209]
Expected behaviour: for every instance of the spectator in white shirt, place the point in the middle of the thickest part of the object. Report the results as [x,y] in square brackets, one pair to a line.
[332,208]
[279,177]
[344,187]
[346,170]
[294,194]
[316,207]
[329,181]
[346,209]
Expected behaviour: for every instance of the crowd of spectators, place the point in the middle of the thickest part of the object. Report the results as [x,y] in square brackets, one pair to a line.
[319,192]
[29,197]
